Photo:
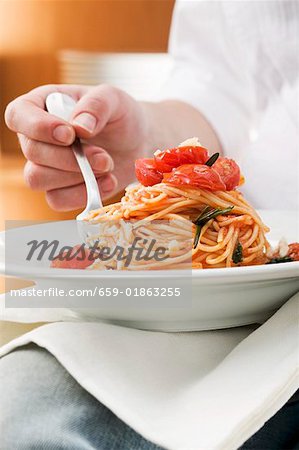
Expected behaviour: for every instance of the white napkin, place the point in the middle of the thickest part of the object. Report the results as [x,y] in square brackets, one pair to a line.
[203,390]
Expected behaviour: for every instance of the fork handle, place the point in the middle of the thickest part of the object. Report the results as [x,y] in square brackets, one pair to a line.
[93,197]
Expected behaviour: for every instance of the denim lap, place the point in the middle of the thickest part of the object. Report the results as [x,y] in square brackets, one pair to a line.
[43,407]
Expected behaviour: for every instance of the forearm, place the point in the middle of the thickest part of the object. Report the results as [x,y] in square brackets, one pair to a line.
[171,122]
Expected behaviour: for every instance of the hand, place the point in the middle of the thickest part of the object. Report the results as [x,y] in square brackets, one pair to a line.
[111,124]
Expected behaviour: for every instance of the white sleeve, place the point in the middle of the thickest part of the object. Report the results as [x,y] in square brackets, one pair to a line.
[209,72]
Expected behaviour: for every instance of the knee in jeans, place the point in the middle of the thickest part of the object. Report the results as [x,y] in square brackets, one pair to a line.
[29,382]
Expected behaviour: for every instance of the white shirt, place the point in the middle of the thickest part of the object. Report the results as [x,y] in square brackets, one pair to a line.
[237,63]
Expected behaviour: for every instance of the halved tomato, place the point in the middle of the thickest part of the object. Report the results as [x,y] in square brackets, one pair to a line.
[229,172]
[175,157]
[146,172]
[74,259]
[197,175]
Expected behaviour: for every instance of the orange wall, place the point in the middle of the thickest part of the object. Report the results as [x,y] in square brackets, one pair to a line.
[31,32]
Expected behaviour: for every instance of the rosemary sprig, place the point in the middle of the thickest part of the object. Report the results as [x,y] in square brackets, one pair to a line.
[207,214]
[212,160]
[283,259]
[199,226]
[238,254]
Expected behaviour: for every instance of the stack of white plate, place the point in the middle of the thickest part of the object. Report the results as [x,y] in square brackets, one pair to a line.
[139,74]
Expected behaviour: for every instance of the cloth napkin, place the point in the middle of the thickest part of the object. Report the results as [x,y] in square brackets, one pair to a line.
[182,391]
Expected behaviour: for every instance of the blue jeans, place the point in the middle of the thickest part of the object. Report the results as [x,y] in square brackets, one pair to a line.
[43,407]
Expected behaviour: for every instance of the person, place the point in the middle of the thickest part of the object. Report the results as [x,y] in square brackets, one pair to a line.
[234,84]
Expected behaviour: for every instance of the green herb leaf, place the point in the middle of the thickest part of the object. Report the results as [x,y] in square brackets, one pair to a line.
[283,259]
[238,254]
[207,214]
[212,160]
[198,226]
[197,234]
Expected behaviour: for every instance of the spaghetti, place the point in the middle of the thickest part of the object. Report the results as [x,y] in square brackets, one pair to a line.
[179,206]
[185,213]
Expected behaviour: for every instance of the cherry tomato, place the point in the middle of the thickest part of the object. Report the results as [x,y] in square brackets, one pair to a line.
[197,175]
[294,251]
[146,172]
[175,157]
[76,259]
[229,172]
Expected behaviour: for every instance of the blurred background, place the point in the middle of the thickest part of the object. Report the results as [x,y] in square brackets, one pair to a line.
[121,42]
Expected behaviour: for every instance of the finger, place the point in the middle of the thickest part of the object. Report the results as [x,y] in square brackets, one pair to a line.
[74,197]
[63,158]
[27,115]
[41,178]
[94,110]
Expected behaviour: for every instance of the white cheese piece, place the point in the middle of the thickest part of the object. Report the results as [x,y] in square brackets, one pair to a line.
[283,248]
[192,142]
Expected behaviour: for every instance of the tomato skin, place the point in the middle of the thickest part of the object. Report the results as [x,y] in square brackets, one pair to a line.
[197,175]
[71,261]
[146,172]
[178,156]
[294,251]
[229,172]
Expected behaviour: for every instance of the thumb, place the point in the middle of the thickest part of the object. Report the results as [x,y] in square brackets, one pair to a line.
[94,110]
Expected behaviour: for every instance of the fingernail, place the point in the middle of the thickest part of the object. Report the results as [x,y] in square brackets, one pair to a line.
[101,163]
[86,121]
[107,185]
[63,134]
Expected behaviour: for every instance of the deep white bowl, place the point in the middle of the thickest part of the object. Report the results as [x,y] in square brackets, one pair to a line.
[219,298]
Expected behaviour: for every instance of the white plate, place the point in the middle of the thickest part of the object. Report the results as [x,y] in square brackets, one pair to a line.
[220,297]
